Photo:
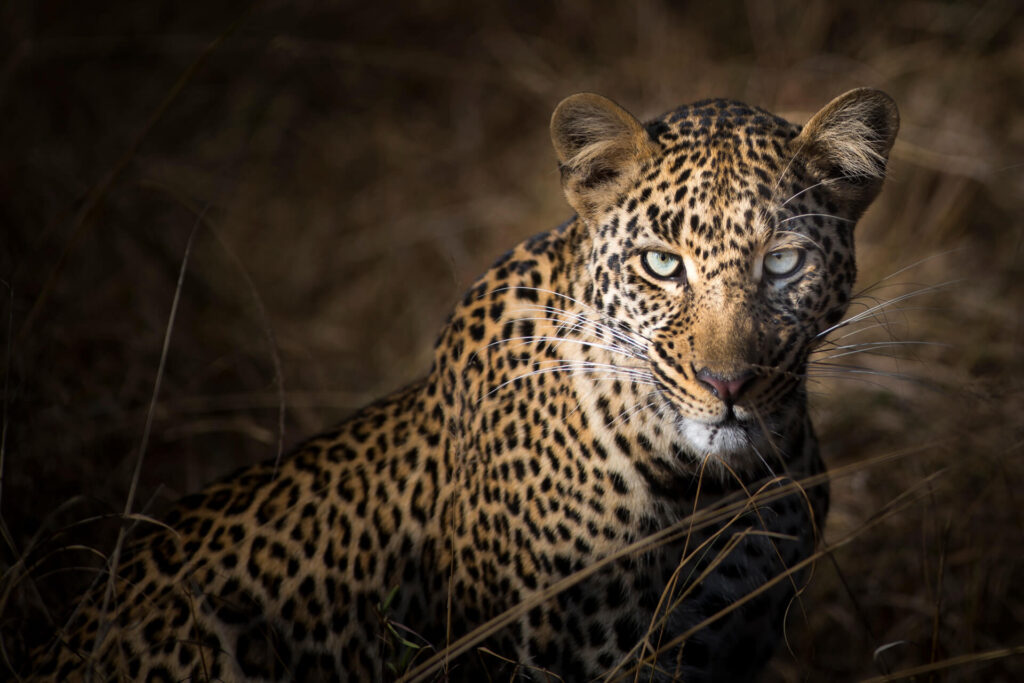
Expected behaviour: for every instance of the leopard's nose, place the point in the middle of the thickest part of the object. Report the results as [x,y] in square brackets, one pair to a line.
[726,388]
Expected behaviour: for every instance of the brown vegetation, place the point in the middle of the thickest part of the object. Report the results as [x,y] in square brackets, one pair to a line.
[349,170]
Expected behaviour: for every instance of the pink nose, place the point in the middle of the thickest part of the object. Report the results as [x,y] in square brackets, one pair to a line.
[726,389]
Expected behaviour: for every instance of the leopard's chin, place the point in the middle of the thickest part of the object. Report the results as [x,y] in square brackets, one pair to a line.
[732,442]
[727,437]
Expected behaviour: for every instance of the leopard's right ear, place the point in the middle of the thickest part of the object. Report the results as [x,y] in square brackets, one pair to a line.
[601,148]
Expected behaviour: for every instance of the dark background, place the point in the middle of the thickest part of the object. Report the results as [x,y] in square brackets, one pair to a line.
[358,164]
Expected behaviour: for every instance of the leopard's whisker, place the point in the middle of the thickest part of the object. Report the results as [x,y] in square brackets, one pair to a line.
[886,325]
[622,336]
[614,373]
[838,370]
[871,347]
[865,379]
[592,309]
[596,329]
[592,364]
[802,237]
[880,320]
[626,414]
[566,340]
[819,215]
[879,283]
[581,324]
[785,171]
[753,446]
[885,305]
[820,183]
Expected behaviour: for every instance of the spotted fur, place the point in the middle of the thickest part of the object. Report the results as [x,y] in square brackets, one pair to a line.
[610,459]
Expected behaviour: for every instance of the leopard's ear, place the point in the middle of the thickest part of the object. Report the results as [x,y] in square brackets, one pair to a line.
[601,148]
[847,144]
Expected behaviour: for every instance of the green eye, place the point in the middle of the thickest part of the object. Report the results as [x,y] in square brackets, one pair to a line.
[783,262]
[663,265]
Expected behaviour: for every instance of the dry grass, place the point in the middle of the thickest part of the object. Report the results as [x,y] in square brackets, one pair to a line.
[358,166]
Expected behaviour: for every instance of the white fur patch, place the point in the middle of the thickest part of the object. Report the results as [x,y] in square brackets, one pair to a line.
[736,446]
[705,439]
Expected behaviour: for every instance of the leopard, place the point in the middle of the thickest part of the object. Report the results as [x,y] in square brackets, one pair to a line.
[609,471]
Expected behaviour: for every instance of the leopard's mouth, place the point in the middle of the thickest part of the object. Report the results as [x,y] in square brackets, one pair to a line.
[727,437]
[736,436]
[731,419]
[734,432]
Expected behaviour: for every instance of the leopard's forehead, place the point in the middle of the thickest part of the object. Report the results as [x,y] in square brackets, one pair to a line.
[728,151]
[732,125]
[715,182]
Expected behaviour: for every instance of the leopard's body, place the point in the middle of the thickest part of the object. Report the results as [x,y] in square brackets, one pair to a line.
[612,441]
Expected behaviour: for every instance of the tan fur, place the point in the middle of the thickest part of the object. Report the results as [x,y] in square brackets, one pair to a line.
[592,135]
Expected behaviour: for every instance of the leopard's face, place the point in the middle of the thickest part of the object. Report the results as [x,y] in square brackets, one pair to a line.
[725,253]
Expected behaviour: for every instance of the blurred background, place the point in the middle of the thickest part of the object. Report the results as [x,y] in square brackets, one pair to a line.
[347,169]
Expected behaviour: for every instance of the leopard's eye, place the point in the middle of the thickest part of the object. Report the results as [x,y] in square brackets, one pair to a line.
[783,262]
[663,265]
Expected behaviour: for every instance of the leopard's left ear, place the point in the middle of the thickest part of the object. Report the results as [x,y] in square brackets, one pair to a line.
[601,148]
[847,144]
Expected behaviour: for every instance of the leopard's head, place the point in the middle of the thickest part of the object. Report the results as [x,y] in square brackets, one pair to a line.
[719,239]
